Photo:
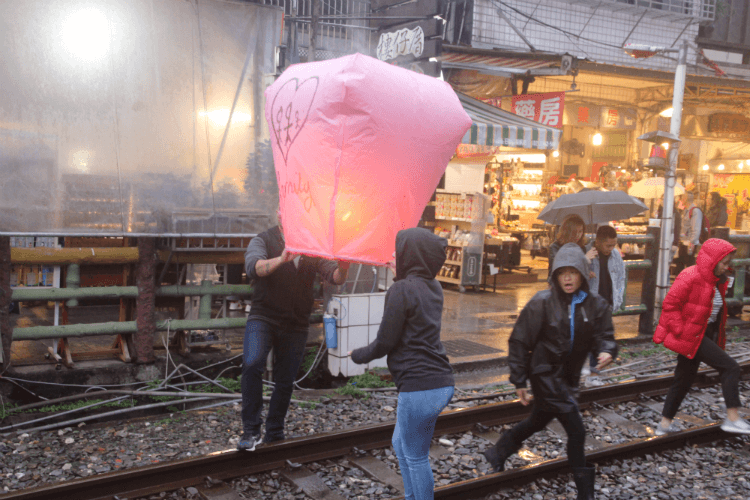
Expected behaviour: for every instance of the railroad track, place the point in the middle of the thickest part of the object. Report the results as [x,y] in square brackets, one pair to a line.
[362,448]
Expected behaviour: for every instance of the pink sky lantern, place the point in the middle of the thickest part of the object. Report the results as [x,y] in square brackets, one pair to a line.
[359,147]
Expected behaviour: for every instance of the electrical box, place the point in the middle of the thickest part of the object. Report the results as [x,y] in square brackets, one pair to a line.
[358,318]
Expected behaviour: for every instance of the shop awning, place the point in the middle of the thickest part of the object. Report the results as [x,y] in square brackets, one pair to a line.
[480,62]
[494,127]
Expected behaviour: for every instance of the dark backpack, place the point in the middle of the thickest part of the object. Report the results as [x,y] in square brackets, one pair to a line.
[705,225]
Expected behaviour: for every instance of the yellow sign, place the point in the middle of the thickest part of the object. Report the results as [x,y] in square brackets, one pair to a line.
[736,189]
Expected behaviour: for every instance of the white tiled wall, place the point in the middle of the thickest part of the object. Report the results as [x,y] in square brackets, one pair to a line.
[357,321]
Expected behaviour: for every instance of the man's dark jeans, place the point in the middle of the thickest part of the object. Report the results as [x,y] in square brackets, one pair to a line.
[288,343]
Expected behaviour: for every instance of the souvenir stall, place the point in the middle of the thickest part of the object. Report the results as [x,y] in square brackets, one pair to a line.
[519,190]
[511,152]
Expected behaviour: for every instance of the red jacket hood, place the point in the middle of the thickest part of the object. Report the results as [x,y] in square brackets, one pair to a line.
[711,252]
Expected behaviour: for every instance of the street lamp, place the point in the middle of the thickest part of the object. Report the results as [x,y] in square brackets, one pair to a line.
[667,222]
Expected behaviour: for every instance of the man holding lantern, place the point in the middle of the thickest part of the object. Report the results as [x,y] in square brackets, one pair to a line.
[279,318]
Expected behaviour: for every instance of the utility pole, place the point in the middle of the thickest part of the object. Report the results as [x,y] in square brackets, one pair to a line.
[314,27]
[667,223]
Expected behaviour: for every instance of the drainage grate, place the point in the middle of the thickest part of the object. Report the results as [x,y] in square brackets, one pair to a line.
[463,348]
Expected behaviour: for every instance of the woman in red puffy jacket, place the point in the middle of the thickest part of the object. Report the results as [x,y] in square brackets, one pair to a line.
[692,325]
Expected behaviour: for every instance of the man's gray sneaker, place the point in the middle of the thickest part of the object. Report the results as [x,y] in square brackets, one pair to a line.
[248,441]
[739,426]
[661,431]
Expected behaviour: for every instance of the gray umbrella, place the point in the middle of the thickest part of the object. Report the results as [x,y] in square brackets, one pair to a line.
[593,207]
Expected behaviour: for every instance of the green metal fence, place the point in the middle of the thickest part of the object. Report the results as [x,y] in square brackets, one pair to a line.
[648,287]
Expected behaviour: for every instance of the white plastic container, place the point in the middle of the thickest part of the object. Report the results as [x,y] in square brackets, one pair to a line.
[358,318]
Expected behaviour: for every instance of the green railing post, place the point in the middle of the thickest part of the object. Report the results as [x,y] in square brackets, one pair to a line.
[204,310]
[6,330]
[145,303]
[73,281]
[648,288]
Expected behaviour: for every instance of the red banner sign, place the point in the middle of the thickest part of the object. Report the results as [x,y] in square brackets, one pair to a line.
[546,109]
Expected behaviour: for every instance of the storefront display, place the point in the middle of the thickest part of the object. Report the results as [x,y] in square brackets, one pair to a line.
[735,188]
[461,219]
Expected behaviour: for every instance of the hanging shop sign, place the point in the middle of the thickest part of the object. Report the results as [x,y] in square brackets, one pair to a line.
[410,44]
[403,42]
[729,124]
[592,115]
[619,118]
[543,108]
[582,115]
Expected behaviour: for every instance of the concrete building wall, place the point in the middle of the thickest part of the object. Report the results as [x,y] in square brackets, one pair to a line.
[732,25]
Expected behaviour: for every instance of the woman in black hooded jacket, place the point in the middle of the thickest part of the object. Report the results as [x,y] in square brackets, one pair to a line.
[409,335]
[552,338]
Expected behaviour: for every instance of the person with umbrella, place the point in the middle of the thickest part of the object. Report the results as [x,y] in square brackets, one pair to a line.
[571,231]
[591,207]
[607,279]
[594,207]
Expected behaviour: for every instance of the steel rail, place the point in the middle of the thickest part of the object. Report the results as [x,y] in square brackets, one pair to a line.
[151,479]
[491,483]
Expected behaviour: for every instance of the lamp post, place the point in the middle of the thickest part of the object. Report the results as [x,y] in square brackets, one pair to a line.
[667,222]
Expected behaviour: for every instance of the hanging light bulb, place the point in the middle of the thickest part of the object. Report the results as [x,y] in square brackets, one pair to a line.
[555,154]
[597,139]
[721,167]
[705,167]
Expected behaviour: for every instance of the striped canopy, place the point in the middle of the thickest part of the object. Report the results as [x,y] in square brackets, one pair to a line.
[493,127]
[486,134]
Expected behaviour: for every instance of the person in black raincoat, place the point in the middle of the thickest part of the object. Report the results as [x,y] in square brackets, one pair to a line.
[548,347]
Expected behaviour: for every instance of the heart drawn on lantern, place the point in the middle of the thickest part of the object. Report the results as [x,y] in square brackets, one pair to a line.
[289,110]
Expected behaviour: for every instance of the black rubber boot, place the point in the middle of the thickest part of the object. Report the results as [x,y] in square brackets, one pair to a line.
[498,454]
[584,479]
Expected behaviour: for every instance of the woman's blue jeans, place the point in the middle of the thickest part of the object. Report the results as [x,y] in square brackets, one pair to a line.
[415,422]
[288,343]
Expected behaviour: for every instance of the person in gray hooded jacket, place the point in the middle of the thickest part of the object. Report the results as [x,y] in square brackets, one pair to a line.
[409,335]
[551,340]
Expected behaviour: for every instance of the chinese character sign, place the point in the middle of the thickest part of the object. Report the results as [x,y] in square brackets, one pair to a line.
[583,115]
[352,167]
[612,118]
[400,43]
[546,109]
[621,118]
